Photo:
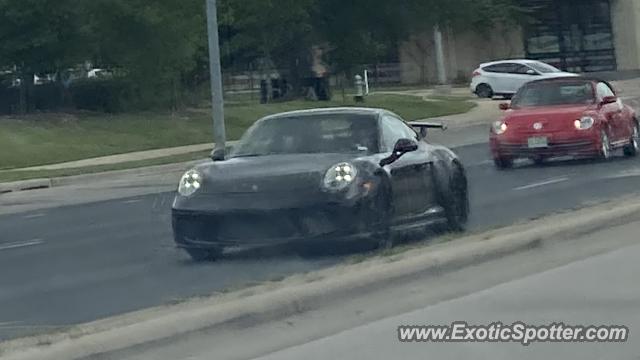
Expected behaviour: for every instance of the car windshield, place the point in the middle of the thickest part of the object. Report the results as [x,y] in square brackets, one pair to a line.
[554,93]
[543,68]
[308,134]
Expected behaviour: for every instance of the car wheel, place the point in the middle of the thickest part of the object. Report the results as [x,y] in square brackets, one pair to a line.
[634,143]
[503,163]
[457,206]
[200,255]
[484,91]
[383,238]
[539,160]
[605,146]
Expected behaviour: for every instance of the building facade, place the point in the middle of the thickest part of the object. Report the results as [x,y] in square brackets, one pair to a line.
[574,35]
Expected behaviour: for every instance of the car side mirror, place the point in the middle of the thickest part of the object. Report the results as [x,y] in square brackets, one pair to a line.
[504,106]
[531,72]
[404,146]
[218,154]
[608,100]
[401,147]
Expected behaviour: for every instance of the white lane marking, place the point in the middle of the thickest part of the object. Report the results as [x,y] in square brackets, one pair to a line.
[624,174]
[543,183]
[21,244]
[34,216]
[132,201]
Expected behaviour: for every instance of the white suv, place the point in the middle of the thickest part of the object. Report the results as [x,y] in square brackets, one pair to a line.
[504,78]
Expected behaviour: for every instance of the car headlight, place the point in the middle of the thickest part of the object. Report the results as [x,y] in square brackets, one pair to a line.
[190,182]
[586,122]
[340,176]
[499,127]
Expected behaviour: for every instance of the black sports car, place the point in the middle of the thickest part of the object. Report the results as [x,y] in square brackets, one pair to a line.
[313,177]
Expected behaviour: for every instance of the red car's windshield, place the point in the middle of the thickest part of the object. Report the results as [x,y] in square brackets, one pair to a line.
[554,93]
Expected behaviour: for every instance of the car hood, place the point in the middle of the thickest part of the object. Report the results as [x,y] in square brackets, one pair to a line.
[269,174]
[550,117]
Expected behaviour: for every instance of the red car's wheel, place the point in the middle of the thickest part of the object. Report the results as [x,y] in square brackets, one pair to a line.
[634,143]
[503,163]
[605,146]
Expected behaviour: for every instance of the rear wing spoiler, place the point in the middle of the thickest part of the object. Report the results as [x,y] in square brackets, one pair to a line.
[427,125]
[423,127]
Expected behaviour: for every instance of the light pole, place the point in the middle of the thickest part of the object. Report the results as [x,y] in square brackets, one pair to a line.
[440,65]
[217,101]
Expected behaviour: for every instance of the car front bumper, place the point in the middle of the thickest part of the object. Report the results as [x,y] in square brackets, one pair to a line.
[586,145]
[293,228]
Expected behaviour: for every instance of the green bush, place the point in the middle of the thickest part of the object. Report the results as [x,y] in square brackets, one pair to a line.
[9,98]
[107,95]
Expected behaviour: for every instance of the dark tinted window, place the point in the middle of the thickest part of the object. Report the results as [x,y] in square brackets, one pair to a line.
[394,129]
[501,68]
[523,70]
[554,93]
[327,133]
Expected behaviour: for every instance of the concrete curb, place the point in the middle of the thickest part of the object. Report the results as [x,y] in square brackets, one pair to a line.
[304,292]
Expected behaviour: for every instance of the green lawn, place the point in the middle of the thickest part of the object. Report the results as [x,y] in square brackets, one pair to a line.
[8,176]
[52,138]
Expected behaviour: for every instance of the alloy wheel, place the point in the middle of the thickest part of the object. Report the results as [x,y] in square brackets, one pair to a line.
[605,146]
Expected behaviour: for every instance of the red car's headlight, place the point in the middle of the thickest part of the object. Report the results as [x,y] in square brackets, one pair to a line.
[584,123]
[499,127]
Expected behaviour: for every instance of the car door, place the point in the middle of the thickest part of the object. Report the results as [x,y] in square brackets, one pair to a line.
[411,178]
[505,79]
[613,113]
[497,77]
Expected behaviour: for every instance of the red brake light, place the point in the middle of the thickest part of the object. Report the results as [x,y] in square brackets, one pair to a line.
[476,73]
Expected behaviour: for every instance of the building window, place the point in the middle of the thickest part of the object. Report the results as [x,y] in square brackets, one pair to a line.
[574,35]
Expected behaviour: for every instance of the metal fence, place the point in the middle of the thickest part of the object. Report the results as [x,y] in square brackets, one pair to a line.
[249,81]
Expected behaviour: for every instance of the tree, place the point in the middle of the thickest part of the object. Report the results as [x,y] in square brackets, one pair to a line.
[155,44]
[40,37]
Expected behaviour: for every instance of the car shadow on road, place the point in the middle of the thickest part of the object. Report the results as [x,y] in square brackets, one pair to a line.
[559,163]
[330,252]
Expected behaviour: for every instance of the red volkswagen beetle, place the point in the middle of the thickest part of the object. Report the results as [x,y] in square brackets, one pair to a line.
[577,117]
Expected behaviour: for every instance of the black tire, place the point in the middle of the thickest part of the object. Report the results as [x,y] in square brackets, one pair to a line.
[503,163]
[484,91]
[382,236]
[633,147]
[605,146]
[539,161]
[201,255]
[456,204]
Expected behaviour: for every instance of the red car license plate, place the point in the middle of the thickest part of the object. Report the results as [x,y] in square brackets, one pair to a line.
[538,142]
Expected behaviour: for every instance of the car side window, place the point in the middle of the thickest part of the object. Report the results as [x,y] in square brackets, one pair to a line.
[392,130]
[523,70]
[497,68]
[604,90]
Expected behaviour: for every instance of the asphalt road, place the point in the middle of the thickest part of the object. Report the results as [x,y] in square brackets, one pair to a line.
[79,263]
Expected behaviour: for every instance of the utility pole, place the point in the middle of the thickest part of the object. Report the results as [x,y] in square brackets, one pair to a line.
[440,65]
[217,101]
